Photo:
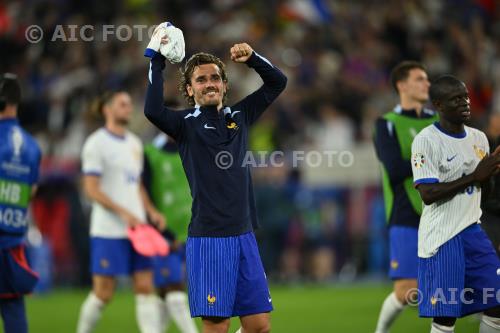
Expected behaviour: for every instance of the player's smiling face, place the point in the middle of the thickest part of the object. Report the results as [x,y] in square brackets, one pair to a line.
[207,87]
[455,105]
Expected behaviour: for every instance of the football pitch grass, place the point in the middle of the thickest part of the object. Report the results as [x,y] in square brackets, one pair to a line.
[305,309]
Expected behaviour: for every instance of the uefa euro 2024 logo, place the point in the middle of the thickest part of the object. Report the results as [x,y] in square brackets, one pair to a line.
[17,142]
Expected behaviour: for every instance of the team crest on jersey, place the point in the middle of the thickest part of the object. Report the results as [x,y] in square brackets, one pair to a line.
[211,299]
[418,160]
[165,272]
[479,152]
[131,176]
[17,141]
[232,125]
[104,263]
[433,300]
[394,264]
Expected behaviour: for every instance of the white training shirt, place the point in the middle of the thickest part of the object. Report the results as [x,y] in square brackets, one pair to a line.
[441,157]
[119,162]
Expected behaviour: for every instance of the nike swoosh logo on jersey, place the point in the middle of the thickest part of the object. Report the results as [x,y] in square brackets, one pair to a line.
[234,112]
[208,127]
[449,159]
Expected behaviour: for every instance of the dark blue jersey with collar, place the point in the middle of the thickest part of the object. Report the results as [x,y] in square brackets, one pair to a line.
[212,146]
[19,167]
[397,166]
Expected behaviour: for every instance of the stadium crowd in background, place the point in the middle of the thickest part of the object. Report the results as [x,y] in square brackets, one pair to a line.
[337,56]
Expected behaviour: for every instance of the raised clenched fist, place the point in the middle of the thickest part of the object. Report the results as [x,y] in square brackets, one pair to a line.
[241,52]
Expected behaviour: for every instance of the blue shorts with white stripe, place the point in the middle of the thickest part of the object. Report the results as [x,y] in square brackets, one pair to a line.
[226,277]
[463,277]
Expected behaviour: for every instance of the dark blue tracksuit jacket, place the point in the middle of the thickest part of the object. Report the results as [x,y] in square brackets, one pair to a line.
[223,200]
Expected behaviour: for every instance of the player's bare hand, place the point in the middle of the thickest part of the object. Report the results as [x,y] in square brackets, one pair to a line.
[129,219]
[175,245]
[157,219]
[163,40]
[497,151]
[241,52]
[487,167]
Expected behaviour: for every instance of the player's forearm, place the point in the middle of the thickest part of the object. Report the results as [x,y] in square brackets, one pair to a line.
[274,80]
[161,116]
[148,204]
[153,106]
[432,193]
[101,198]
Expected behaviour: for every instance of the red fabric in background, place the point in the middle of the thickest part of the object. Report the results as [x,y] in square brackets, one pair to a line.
[52,219]
[488,5]
[4,20]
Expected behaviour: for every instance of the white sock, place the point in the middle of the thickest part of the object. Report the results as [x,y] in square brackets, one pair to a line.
[147,313]
[179,311]
[436,328]
[239,331]
[90,313]
[390,310]
[489,324]
[164,315]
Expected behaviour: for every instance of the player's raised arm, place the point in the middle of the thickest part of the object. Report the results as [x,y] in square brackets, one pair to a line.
[155,217]
[274,81]
[162,117]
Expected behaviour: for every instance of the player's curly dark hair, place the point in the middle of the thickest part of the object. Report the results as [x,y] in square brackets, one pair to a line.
[187,72]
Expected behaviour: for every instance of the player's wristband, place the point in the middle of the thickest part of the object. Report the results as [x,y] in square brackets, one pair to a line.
[150,53]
